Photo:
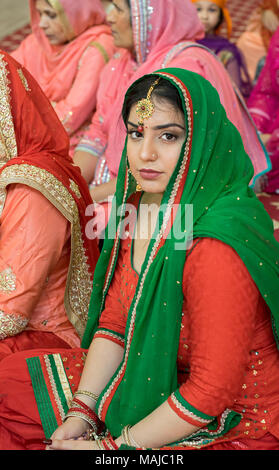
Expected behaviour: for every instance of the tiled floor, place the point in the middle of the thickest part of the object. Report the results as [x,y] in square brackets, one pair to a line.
[13,15]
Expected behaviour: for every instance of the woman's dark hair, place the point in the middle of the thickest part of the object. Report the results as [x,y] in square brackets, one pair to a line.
[163,91]
[221,19]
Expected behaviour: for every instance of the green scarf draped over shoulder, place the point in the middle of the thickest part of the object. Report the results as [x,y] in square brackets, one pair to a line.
[212,174]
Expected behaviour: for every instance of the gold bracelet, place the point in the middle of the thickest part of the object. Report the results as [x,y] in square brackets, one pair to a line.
[77,414]
[92,395]
[128,438]
[133,440]
[125,435]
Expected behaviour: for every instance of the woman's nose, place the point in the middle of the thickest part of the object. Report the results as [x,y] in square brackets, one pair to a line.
[110,17]
[148,151]
[43,22]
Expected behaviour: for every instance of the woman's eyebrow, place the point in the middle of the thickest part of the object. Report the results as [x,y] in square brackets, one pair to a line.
[161,126]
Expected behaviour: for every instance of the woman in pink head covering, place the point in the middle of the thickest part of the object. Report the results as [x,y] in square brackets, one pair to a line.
[69,46]
[263,104]
[153,34]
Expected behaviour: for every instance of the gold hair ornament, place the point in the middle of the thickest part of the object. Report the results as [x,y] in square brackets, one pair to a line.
[145,107]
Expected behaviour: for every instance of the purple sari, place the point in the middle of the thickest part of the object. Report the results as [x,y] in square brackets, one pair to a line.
[232,59]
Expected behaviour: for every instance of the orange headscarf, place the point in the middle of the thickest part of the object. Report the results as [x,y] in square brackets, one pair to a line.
[222,4]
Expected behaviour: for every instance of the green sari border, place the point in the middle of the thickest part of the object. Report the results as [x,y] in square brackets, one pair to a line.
[43,401]
[51,389]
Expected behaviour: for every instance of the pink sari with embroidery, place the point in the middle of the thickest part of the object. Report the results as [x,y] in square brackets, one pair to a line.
[264,108]
[165,34]
[69,74]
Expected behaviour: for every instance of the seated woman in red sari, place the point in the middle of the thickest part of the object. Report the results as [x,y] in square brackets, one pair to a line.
[183,321]
[43,246]
[66,52]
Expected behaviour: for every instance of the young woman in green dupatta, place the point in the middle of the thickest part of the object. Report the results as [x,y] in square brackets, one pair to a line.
[182,337]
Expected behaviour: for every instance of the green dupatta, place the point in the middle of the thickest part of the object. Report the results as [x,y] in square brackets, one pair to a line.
[213,175]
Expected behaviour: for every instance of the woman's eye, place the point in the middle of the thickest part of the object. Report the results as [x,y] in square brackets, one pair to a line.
[51,15]
[168,137]
[135,134]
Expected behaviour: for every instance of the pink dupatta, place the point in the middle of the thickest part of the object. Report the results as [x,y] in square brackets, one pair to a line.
[55,67]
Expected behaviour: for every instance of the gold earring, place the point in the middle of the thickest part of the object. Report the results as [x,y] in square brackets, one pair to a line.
[138,186]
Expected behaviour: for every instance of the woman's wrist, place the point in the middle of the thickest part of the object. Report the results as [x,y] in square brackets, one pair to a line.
[79,409]
[87,397]
[127,438]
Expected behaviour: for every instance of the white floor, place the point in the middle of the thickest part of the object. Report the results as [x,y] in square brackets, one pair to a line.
[13,15]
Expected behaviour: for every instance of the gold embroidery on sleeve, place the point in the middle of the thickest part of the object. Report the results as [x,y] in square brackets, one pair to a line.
[7,281]
[11,325]
[23,79]
[8,145]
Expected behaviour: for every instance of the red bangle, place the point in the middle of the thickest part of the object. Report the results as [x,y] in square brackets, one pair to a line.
[90,412]
[86,410]
[112,442]
[109,443]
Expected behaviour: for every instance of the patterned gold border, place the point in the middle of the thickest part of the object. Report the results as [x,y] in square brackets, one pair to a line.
[8,145]
[79,283]
[63,382]
[57,6]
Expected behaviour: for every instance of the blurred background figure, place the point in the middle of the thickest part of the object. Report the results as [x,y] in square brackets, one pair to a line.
[264,107]
[69,46]
[158,33]
[212,15]
[254,41]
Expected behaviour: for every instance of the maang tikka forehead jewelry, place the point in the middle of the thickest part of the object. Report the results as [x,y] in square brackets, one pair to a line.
[145,107]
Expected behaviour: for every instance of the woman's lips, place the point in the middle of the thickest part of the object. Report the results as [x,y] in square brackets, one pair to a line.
[148,174]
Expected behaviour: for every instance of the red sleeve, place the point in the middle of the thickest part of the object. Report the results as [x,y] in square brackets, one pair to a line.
[221,304]
[113,319]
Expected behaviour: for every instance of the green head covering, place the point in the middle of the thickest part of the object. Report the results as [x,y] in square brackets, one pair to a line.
[212,174]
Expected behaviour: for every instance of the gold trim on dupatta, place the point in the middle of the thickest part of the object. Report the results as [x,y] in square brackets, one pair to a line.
[8,145]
